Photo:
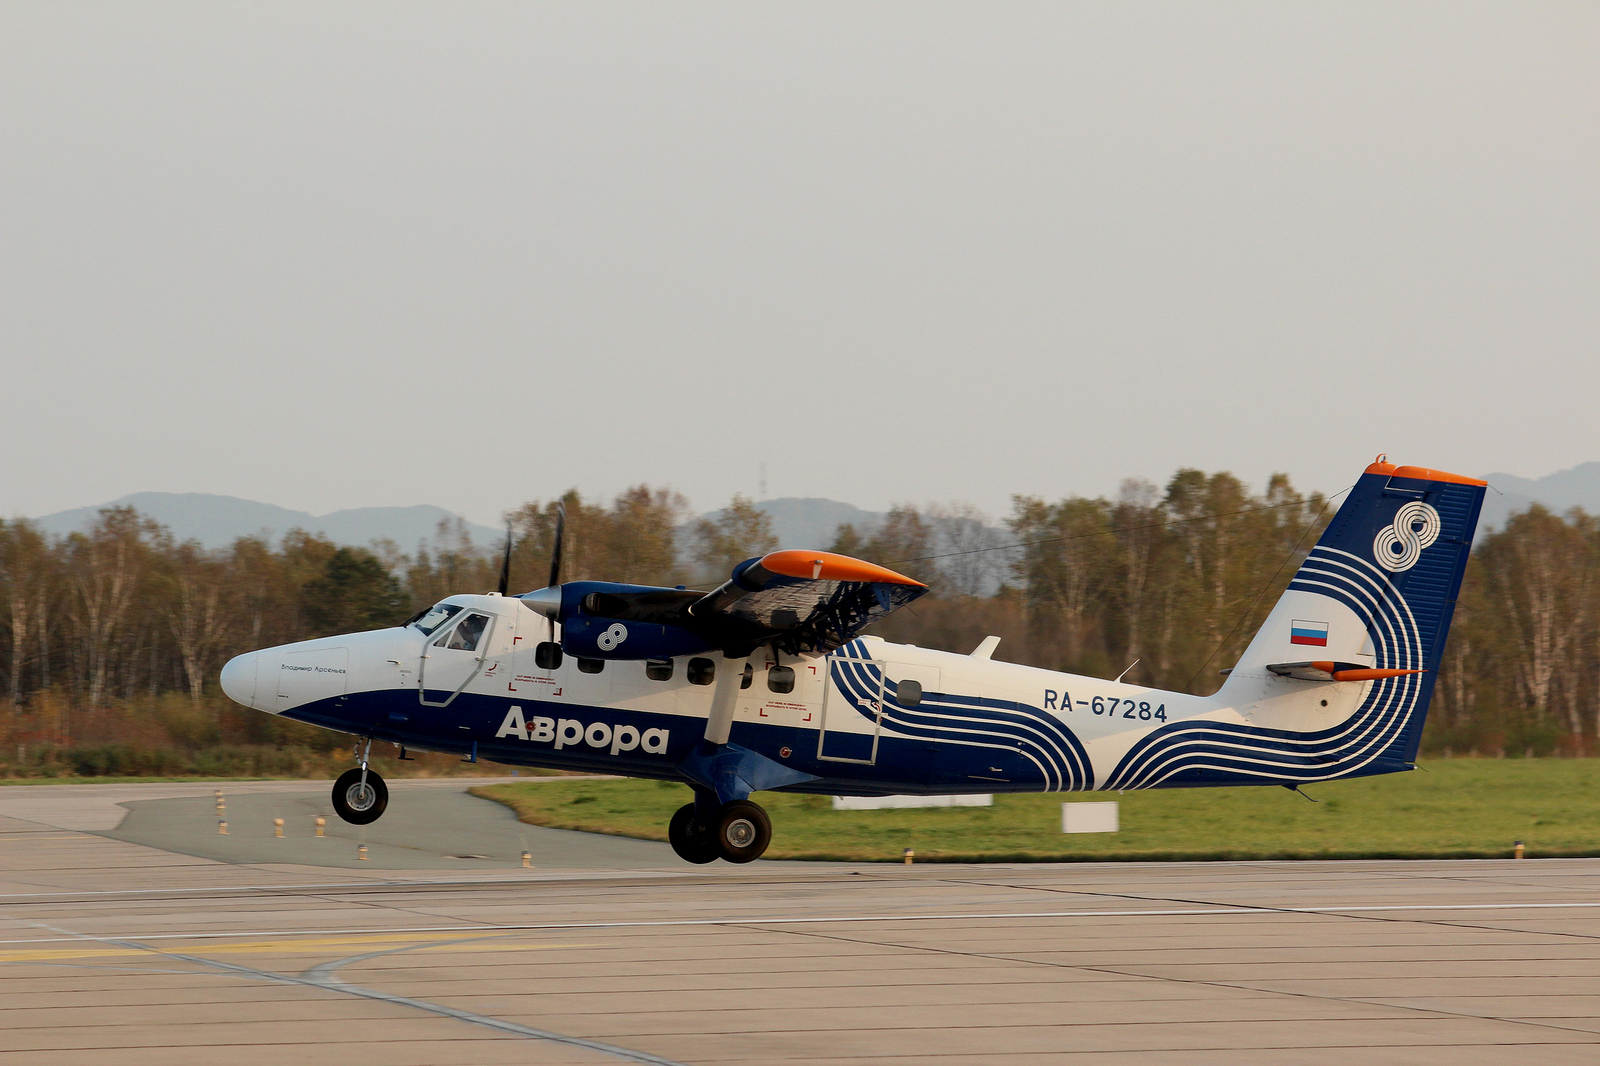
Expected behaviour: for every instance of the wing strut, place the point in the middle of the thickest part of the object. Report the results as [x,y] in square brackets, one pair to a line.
[723,697]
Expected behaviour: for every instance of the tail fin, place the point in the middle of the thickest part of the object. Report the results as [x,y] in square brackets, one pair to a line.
[1375,594]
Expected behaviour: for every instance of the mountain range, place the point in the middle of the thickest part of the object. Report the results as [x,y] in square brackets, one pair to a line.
[799,522]
[1561,491]
[217,521]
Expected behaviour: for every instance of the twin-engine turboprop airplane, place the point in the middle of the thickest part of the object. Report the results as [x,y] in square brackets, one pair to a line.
[768,683]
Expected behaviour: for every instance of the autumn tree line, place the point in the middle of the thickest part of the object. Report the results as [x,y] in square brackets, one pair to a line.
[111,639]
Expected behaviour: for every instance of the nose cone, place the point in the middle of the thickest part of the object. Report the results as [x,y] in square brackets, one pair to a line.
[239,679]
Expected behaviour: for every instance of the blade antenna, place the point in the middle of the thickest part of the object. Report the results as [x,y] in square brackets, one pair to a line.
[505,564]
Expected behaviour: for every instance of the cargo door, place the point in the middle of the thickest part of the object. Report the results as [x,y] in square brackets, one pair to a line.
[852,711]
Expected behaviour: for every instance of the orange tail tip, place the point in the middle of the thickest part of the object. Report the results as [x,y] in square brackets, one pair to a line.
[1419,473]
[1368,675]
[826,566]
[1362,674]
[1327,670]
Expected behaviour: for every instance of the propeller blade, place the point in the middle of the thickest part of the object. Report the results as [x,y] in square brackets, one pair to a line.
[505,564]
[555,559]
[555,554]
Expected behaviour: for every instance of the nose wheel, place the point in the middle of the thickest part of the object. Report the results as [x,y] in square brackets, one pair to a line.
[738,832]
[359,796]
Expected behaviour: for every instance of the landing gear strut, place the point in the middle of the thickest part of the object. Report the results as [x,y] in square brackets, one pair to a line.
[739,832]
[360,796]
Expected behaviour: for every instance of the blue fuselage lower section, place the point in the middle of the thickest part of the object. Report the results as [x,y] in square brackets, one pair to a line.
[585,738]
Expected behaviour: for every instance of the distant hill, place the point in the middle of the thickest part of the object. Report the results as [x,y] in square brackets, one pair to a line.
[812,522]
[217,521]
[1577,487]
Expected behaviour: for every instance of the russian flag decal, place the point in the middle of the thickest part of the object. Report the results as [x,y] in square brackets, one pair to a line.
[1313,633]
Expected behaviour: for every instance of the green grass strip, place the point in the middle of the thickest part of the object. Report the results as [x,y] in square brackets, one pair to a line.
[1456,809]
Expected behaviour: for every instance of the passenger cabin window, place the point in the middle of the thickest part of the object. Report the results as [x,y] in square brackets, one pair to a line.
[749,676]
[909,693]
[547,656]
[467,633]
[781,679]
[590,666]
[701,671]
[435,616]
[658,669]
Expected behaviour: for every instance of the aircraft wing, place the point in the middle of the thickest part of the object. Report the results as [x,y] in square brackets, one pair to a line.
[802,601]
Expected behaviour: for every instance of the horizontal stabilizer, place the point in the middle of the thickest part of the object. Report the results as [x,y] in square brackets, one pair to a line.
[1331,671]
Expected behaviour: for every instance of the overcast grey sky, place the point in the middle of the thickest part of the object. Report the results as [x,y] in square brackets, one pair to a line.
[332,255]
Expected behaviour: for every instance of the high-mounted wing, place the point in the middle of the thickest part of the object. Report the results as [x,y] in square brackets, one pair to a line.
[797,601]
[805,601]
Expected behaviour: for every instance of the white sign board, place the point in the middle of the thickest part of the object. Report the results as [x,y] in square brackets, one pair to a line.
[1089,817]
[884,803]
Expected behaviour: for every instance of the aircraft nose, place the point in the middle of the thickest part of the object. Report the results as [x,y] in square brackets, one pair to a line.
[239,678]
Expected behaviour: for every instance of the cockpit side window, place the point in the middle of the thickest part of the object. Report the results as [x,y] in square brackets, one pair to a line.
[467,633]
[436,616]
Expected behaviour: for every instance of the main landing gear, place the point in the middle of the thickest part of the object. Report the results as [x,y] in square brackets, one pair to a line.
[739,832]
[360,796]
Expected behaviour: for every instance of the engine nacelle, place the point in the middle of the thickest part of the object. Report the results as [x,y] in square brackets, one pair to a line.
[593,637]
[608,620]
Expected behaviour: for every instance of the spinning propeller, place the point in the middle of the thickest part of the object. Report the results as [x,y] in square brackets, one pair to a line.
[505,564]
[547,601]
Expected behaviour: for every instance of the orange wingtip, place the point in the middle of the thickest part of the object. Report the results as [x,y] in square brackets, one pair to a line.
[1421,473]
[826,566]
[1367,675]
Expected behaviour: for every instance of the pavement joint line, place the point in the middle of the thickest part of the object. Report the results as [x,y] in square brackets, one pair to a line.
[326,976]
[1438,1013]
[1221,910]
[890,872]
[629,878]
[323,977]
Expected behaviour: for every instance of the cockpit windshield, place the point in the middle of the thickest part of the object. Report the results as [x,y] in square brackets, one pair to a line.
[436,616]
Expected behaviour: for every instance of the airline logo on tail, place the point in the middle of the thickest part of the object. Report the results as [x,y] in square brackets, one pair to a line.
[1398,547]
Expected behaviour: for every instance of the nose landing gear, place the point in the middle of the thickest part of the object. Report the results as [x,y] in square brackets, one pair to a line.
[738,832]
[360,796]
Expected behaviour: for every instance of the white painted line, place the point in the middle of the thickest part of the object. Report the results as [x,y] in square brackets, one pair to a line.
[1219,911]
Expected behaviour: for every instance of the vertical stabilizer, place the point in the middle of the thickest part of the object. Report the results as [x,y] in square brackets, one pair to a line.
[1337,681]
[1376,593]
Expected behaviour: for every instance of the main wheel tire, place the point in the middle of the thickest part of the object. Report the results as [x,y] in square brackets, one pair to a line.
[689,838]
[743,831]
[358,804]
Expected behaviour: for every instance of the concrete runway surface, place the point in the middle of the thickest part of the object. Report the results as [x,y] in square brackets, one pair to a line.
[154,943]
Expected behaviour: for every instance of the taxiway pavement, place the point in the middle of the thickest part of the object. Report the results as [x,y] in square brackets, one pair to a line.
[126,937]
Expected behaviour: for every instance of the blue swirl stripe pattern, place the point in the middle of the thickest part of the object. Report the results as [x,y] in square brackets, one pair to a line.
[966,721]
[1374,731]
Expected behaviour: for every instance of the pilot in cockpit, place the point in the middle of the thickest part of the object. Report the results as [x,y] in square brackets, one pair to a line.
[466,636]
